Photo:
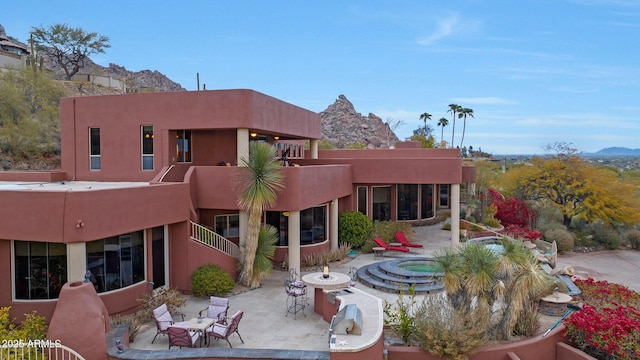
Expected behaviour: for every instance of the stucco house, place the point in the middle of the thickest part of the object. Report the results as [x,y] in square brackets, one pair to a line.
[147,193]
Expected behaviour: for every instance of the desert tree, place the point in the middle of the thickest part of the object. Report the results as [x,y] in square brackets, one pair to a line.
[69,47]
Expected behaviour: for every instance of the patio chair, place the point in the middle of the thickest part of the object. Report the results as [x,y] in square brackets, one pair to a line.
[182,336]
[217,309]
[296,297]
[403,240]
[222,331]
[384,245]
[163,320]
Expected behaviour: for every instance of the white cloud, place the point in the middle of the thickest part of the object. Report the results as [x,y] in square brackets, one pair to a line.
[445,27]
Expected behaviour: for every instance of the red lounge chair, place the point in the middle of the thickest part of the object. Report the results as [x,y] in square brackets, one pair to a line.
[384,245]
[403,240]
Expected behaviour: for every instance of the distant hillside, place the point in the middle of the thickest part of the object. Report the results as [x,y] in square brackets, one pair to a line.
[343,126]
[618,151]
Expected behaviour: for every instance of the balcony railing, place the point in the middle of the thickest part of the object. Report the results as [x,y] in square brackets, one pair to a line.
[214,240]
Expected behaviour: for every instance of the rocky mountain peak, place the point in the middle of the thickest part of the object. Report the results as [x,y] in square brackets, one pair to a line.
[342,126]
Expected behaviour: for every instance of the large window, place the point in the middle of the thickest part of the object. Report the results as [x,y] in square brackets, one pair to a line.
[363,200]
[407,205]
[426,201]
[228,225]
[444,195]
[40,269]
[313,225]
[147,147]
[381,203]
[183,146]
[94,149]
[116,262]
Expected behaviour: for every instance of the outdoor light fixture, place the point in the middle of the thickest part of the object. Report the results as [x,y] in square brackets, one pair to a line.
[253,134]
[276,138]
[325,270]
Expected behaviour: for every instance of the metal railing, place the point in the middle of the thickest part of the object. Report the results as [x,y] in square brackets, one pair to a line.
[37,350]
[214,240]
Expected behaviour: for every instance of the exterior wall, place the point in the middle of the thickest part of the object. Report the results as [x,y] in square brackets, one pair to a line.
[216,189]
[119,118]
[531,349]
[52,216]
[397,166]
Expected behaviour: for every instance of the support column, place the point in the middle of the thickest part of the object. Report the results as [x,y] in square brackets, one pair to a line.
[76,261]
[455,215]
[242,144]
[294,240]
[313,149]
[333,223]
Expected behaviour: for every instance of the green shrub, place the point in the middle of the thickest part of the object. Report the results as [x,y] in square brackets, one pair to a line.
[386,230]
[33,327]
[605,236]
[354,228]
[562,237]
[452,334]
[210,280]
[582,239]
[543,227]
[401,315]
[633,237]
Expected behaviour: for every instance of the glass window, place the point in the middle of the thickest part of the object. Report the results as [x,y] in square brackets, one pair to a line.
[94,149]
[147,147]
[228,225]
[407,204]
[362,200]
[381,203]
[426,201]
[313,225]
[40,269]
[116,262]
[278,220]
[444,195]
[183,145]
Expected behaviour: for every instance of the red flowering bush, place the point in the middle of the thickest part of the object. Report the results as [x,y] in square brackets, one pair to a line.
[514,212]
[518,232]
[602,293]
[608,326]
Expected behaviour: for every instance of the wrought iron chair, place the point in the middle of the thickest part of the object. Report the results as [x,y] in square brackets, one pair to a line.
[297,298]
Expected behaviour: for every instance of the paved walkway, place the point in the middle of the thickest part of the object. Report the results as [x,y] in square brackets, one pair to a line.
[265,326]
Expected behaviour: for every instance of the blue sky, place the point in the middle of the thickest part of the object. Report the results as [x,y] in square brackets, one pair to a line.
[534,72]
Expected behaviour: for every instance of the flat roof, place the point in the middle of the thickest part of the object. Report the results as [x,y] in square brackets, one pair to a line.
[69,185]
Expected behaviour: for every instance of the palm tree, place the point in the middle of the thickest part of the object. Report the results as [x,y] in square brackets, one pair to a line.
[424,117]
[442,122]
[260,180]
[463,114]
[453,108]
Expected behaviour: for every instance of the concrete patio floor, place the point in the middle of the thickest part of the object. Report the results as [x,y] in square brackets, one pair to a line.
[265,326]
